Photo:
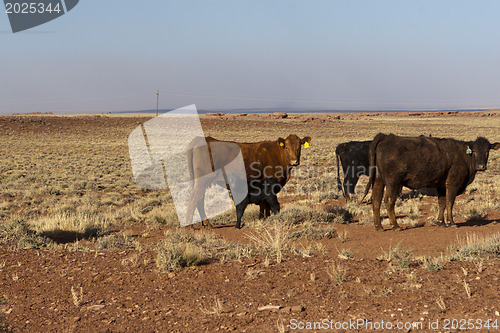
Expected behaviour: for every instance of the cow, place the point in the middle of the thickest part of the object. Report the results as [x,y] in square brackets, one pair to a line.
[448,165]
[263,159]
[353,156]
[259,191]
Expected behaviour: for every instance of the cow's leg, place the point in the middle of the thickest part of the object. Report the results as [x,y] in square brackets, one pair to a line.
[441,192]
[390,202]
[267,209]
[200,205]
[450,201]
[347,185]
[196,199]
[261,211]
[377,193]
[345,172]
[352,188]
[240,209]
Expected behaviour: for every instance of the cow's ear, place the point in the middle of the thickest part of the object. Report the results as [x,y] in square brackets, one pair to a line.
[281,142]
[495,145]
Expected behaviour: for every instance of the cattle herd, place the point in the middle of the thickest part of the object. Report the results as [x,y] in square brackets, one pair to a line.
[390,161]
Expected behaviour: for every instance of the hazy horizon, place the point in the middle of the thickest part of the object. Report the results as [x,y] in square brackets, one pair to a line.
[107,56]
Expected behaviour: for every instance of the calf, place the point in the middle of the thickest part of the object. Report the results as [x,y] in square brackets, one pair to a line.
[353,156]
[259,191]
[423,162]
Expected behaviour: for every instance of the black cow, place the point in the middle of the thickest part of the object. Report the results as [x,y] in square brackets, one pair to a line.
[260,191]
[353,156]
[423,162]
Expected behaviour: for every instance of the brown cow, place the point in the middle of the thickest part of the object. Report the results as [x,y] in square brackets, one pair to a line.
[263,159]
[423,162]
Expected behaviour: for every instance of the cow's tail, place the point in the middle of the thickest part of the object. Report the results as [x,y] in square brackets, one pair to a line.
[339,184]
[373,167]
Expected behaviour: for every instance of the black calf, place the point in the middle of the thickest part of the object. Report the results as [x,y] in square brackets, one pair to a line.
[259,191]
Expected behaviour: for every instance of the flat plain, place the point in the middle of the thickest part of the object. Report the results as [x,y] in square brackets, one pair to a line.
[83,248]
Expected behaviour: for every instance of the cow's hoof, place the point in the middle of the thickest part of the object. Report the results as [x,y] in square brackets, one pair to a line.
[452,225]
[379,229]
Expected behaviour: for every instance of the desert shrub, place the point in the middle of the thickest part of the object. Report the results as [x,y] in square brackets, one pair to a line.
[313,233]
[175,256]
[17,232]
[238,251]
[475,248]
[342,215]
[272,238]
[398,255]
[295,216]
[183,249]
[115,241]
[337,272]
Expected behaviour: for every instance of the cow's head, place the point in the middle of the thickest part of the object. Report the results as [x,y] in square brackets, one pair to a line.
[480,150]
[291,148]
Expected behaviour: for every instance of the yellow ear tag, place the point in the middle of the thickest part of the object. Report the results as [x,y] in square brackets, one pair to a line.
[306,145]
[282,144]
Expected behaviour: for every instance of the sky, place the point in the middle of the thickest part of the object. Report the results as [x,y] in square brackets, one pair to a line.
[113,55]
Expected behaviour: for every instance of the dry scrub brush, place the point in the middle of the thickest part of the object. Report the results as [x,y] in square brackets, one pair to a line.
[476,248]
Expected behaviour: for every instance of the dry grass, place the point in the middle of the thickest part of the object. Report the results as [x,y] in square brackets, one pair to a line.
[475,247]
[18,233]
[272,238]
[337,273]
[313,233]
[77,296]
[215,309]
[398,255]
[67,224]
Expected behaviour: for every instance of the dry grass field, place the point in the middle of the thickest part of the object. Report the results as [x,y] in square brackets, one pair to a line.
[83,248]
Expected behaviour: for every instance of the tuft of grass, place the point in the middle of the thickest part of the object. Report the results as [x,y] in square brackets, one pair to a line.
[342,215]
[215,309]
[18,232]
[398,255]
[66,226]
[272,238]
[115,241]
[346,254]
[175,256]
[343,236]
[475,248]
[182,248]
[434,265]
[337,272]
[297,216]
[238,251]
[313,233]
